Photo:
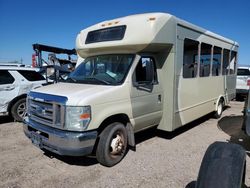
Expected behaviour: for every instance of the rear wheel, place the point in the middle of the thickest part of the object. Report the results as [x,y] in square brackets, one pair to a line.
[112,145]
[18,110]
[219,110]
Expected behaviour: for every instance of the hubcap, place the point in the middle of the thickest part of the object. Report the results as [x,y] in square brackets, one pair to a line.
[117,144]
[219,110]
[21,110]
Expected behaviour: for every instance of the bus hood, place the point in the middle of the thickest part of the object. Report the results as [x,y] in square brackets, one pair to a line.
[84,94]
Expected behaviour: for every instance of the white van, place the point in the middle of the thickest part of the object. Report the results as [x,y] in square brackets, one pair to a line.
[243,75]
[138,71]
[15,83]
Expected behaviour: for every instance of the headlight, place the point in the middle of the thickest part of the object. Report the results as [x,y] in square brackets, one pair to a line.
[77,118]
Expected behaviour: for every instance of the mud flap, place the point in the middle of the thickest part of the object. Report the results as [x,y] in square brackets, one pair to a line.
[223,166]
[131,136]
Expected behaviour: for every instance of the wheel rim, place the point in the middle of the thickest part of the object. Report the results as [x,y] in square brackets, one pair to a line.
[117,144]
[219,110]
[21,110]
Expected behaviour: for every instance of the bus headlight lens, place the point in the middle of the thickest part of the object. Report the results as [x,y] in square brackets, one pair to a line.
[77,118]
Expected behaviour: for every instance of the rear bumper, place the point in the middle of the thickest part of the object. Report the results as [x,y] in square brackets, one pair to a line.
[60,141]
[242,91]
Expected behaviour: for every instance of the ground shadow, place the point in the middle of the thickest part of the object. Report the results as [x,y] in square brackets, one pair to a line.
[72,160]
[191,184]
[154,132]
[6,119]
[232,126]
[139,138]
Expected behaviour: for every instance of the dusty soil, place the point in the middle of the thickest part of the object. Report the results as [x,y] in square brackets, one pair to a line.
[161,159]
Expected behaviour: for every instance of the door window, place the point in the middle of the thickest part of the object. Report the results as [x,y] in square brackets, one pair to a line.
[145,72]
[6,77]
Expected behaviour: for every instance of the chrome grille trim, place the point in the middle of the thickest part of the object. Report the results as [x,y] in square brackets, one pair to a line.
[46,111]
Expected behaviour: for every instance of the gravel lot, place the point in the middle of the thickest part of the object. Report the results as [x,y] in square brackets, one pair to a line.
[161,159]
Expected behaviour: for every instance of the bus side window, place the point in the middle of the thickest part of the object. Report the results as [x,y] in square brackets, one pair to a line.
[233,61]
[216,62]
[190,63]
[205,59]
[225,67]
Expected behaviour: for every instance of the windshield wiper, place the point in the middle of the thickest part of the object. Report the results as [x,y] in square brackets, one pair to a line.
[72,79]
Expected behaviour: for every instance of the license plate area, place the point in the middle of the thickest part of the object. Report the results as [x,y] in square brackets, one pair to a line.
[36,139]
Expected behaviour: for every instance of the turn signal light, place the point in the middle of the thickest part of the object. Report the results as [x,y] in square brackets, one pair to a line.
[152,19]
[85,116]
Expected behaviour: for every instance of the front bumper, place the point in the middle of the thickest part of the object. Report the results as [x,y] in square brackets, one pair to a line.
[60,141]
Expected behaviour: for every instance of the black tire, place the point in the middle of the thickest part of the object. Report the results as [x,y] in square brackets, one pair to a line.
[18,110]
[113,144]
[223,166]
[239,97]
[219,109]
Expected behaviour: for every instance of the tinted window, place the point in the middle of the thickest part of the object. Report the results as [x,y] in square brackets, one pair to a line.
[243,72]
[189,60]
[145,69]
[6,77]
[205,59]
[31,75]
[232,64]
[216,63]
[107,34]
[225,66]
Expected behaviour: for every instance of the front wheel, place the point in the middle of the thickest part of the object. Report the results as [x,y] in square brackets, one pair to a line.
[112,145]
[18,110]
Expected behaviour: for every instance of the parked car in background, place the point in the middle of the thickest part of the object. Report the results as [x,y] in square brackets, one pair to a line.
[243,75]
[246,115]
[15,82]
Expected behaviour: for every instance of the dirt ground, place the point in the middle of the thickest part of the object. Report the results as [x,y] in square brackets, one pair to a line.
[169,160]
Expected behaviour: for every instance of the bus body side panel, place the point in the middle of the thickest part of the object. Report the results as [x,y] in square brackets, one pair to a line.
[166,78]
[196,97]
[230,91]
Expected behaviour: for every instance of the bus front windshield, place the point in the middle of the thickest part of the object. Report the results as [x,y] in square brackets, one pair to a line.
[102,69]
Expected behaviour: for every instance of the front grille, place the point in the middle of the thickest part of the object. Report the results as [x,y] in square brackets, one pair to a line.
[46,113]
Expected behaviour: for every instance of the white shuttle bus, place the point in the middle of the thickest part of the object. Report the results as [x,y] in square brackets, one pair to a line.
[138,71]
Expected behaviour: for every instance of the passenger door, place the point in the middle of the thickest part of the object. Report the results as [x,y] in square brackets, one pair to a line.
[8,89]
[146,94]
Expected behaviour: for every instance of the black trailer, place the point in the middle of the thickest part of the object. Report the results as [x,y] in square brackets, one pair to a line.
[54,68]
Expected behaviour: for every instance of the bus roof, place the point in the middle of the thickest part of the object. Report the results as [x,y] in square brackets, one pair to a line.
[135,33]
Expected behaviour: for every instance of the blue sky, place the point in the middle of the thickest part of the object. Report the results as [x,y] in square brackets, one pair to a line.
[57,22]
